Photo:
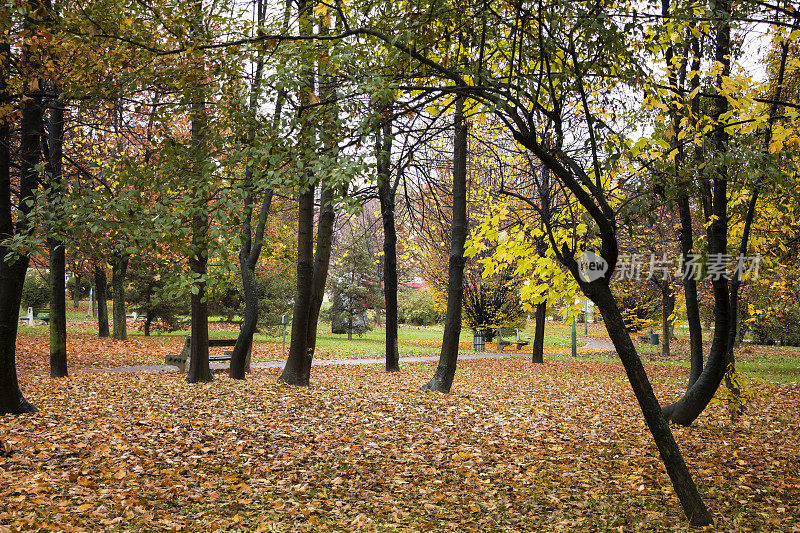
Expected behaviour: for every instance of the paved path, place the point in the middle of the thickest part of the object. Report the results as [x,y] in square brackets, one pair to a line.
[592,345]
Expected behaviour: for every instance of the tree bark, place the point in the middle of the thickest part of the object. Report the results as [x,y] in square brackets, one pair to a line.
[538,336]
[690,293]
[293,372]
[100,286]
[322,259]
[58,310]
[442,380]
[667,308]
[12,275]
[386,193]
[58,307]
[697,397]
[199,370]
[119,269]
[685,488]
[251,245]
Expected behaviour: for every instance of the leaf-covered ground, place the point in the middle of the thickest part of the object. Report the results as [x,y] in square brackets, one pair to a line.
[556,447]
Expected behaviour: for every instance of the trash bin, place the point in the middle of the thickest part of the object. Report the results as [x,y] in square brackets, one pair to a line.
[654,338]
[478,340]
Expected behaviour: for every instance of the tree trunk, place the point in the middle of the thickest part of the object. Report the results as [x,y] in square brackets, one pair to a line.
[100,285]
[119,268]
[148,321]
[322,259]
[58,304]
[12,275]
[690,293]
[386,193]
[294,371]
[697,397]
[442,380]
[682,481]
[667,308]
[538,336]
[58,310]
[199,369]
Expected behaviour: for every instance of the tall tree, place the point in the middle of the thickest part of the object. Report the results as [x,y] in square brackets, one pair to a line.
[442,379]
[387,190]
[13,265]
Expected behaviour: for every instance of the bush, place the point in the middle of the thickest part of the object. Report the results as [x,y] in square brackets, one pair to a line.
[417,308]
[777,326]
[35,291]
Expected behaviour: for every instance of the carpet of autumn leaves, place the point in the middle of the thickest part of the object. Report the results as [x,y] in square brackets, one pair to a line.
[556,447]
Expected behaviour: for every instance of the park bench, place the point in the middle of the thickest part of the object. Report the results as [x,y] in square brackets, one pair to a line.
[182,359]
[42,313]
[508,333]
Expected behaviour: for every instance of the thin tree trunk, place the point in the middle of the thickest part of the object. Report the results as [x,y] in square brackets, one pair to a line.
[298,363]
[442,380]
[538,336]
[697,397]
[327,216]
[58,310]
[58,307]
[685,488]
[690,294]
[293,372]
[119,269]
[250,251]
[386,193]
[12,275]
[667,308]
[322,259]
[199,370]
[100,286]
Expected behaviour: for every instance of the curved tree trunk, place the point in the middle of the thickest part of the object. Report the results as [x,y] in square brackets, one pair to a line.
[100,286]
[690,293]
[119,268]
[697,397]
[442,380]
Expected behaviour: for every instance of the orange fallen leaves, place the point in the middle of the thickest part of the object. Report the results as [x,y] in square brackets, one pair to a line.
[515,447]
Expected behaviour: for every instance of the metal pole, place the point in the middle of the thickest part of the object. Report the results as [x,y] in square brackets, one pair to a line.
[283,321]
[574,340]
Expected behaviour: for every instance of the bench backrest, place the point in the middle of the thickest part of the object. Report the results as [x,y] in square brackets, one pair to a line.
[505,331]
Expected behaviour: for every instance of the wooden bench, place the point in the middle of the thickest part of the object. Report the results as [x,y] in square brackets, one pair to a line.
[508,333]
[181,361]
[42,313]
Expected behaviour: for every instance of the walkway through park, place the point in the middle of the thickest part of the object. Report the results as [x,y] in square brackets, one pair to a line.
[592,346]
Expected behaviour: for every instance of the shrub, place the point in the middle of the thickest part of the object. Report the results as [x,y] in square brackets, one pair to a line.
[417,308]
[35,291]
